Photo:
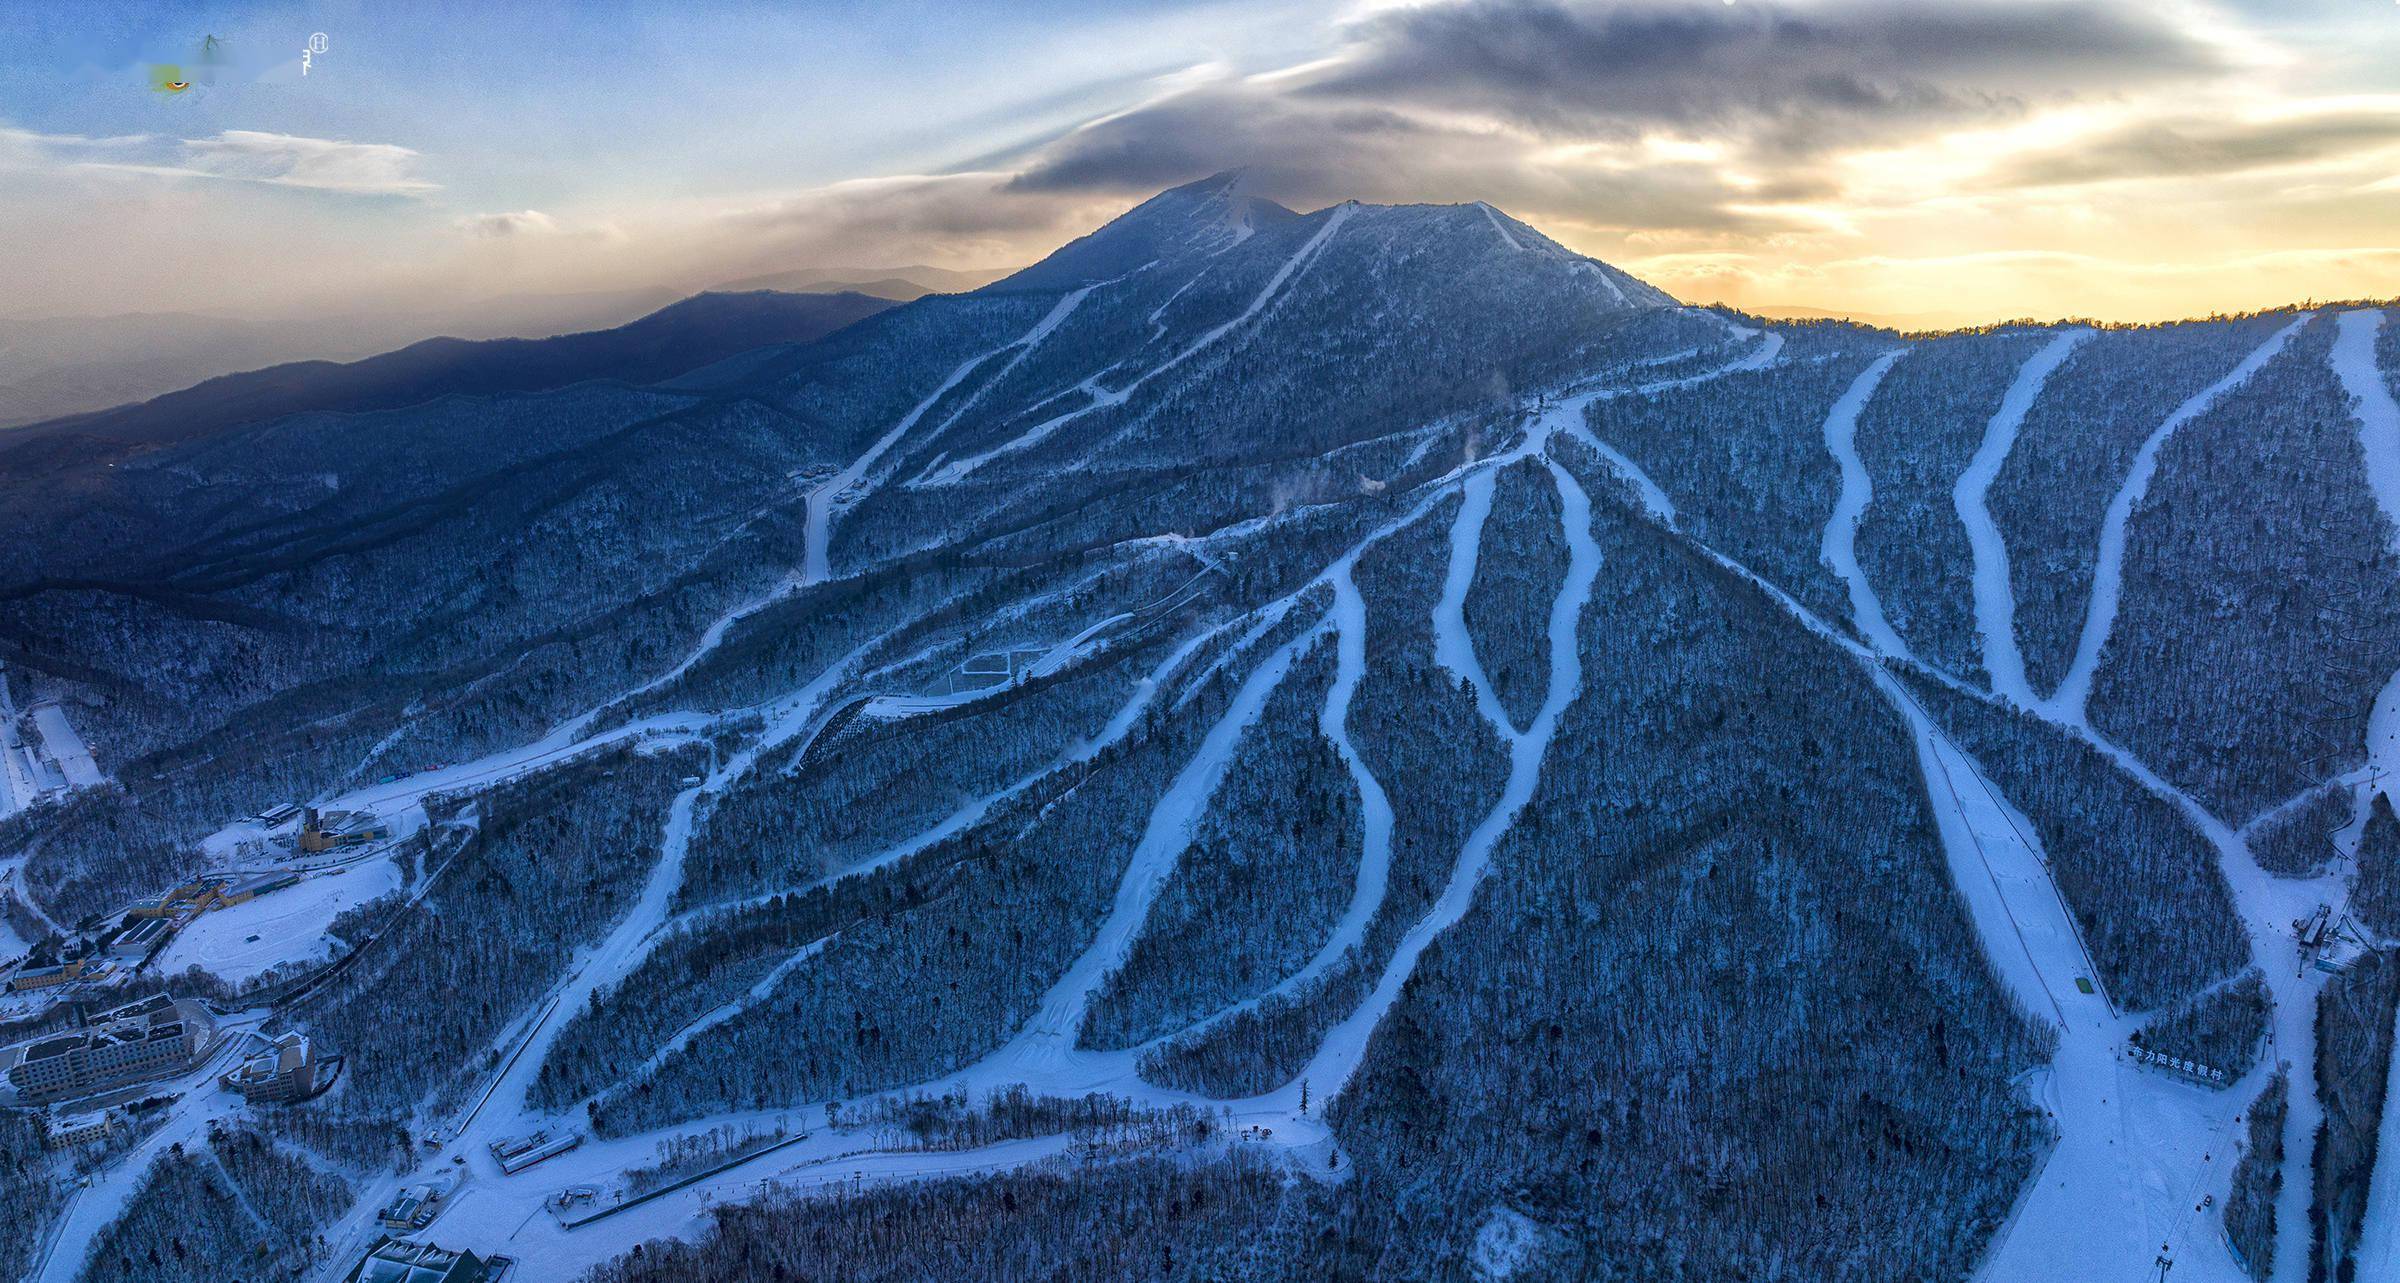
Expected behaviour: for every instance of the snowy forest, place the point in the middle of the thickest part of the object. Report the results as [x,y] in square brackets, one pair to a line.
[1268,745]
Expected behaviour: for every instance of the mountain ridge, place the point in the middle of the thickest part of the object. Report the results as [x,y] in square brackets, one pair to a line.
[1388,735]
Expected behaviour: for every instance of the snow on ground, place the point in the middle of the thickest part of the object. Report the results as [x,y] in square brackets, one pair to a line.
[2379,1239]
[1504,1244]
[396,800]
[506,1215]
[2379,441]
[1345,1045]
[65,747]
[1840,544]
[242,941]
[1500,227]
[2138,1150]
[17,789]
[2130,1137]
[1165,836]
[1375,854]
[2108,576]
[1995,597]
[958,469]
[90,1211]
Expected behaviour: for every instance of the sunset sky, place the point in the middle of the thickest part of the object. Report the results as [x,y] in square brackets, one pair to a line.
[1933,162]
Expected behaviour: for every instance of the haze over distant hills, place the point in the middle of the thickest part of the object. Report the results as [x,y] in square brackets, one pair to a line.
[674,340]
[902,284]
[51,367]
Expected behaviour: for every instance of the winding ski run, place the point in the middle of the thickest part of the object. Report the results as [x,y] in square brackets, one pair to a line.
[2074,693]
[1263,303]
[2137,1152]
[2378,416]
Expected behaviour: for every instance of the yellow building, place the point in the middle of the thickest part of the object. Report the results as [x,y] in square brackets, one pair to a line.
[44,977]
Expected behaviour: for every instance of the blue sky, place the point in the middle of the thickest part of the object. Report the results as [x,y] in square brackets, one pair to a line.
[1988,157]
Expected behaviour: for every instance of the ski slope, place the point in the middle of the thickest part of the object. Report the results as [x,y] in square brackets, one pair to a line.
[1995,597]
[956,470]
[65,747]
[1344,1047]
[2379,442]
[2137,1150]
[2074,692]
[1839,548]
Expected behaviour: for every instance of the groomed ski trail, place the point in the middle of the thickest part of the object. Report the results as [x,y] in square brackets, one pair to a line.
[1839,547]
[1995,595]
[957,470]
[2133,1145]
[1344,1047]
[2379,442]
[821,500]
[2074,692]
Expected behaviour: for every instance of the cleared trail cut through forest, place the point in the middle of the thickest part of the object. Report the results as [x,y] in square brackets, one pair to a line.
[2074,692]
[2132,1145]
[2378,416]
[1263,302]
[1995,594]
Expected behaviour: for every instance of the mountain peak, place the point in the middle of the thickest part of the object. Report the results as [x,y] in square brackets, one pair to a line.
[1211,215]
[1206,216]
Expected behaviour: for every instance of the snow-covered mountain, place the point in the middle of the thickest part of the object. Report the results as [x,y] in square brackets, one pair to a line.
[1358,744]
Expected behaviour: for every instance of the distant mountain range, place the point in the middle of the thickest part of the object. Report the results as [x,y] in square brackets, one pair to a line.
[59,366]
[902,284]
[669,342]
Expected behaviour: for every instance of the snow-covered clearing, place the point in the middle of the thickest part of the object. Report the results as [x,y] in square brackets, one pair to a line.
[956,470]
[2108,575]
[1840,544]
[2138,1151]
[816,567]
[280,926]
[1995,599]
[65,747]
[2379,442]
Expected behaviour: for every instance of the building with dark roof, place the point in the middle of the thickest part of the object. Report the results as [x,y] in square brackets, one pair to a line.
[400,1261]
[150,1039]
[284,1069]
